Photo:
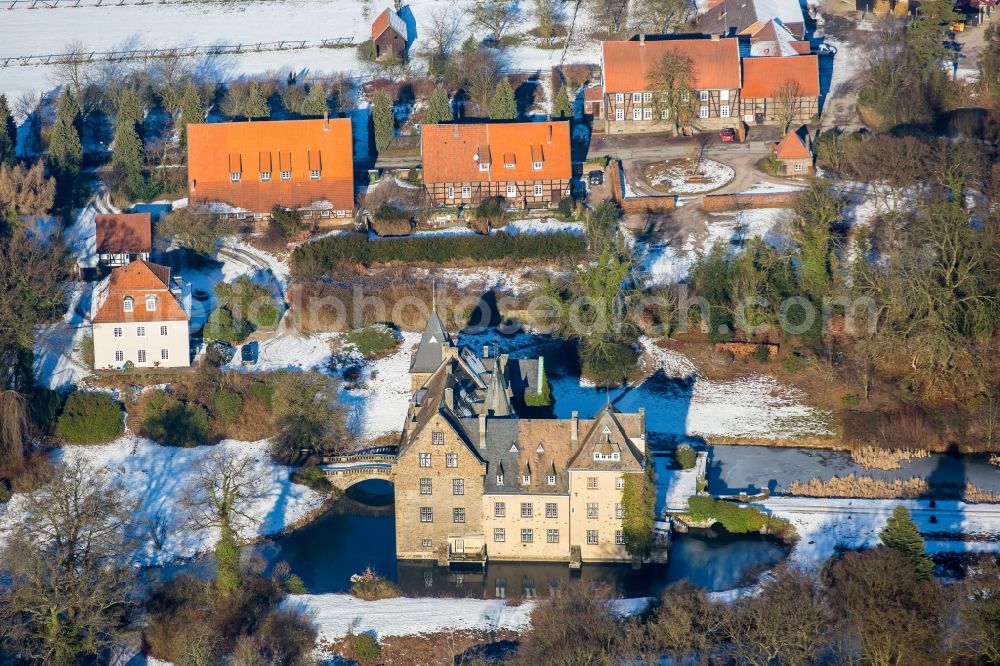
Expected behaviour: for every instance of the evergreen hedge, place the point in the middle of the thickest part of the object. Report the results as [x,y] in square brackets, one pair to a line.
[90,417]
[324,255]
[735,518]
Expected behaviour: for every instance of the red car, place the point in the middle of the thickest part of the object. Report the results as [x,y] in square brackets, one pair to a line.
[728,135]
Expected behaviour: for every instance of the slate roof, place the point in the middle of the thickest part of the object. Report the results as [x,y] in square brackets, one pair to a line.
[217,150]
[627,65]
[124,233]
[735,16]
[429,356]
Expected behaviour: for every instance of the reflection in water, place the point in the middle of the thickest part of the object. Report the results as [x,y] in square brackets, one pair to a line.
[327,551]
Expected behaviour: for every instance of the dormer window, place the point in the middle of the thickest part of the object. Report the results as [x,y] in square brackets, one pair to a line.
[526,479]
[150,303]
[265,176]
[286,175]
[314,174]
[499,479]
[234,176]
[552,479]
[537,166]
[509,165]
[128,304]
[484,166]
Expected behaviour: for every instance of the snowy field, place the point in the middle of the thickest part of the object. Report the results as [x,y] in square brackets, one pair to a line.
[156,476]
[337,614]
[826,525]
[163,25]
[680,403]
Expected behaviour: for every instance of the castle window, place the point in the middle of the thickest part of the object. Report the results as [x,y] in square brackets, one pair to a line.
[499,479]
[591,509]
[527,510]
[619,538]
[128,304]
[551,510]
[426,543]
[437,438]
[140,331]
[552,536]
[425,460]
[118,332]
[425,486]
[458,515]
[592,482]
[592,539]
[458,486]
[552,479]
[451,460]
[620,483]
[499,534]
[119,356]
[499,509]
[426,514]
[526,479]
[527,535]
[619,511]
[163,330]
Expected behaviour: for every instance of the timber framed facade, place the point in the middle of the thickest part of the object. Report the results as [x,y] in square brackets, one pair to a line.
[525,164]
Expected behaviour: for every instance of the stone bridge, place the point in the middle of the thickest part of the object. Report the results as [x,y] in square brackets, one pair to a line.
[375,463]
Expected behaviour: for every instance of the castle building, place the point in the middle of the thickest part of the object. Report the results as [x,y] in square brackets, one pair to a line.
[480,476]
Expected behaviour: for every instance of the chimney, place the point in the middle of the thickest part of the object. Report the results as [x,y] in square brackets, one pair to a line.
[715,37]
[482,431]
[326,120]
[449,397]
[550,134]
[642,421]
[486,351]
[642,38]
[574,432]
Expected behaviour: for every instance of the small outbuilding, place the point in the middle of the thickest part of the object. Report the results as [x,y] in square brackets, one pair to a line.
[794,153]
[123,238]
[389,35]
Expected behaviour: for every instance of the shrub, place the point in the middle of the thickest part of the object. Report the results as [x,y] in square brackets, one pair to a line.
[294,585]
[178,424]
[793,363]
[227,405]
[491,211]
[566,207]
[313,477]
[89,417]
[313,260]
[366,51]
[4,493]
[370,586]
[543,398]
[251,305]
[262,392]
[684,456]
[365,648]
[373,341]
[223,327]
[736,519]
[762,354]
[285,223]
[389,212]
[607,363]
[850,399]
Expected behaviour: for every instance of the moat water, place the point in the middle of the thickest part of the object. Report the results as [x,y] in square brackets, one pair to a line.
[341,542]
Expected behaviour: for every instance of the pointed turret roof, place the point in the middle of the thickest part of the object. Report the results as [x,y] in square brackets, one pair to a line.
[497,401]
[429,354]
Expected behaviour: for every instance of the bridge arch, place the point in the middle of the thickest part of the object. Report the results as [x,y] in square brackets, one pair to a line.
[349,469]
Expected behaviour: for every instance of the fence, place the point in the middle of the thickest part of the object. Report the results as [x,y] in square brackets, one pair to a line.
[173,52]
[725,202]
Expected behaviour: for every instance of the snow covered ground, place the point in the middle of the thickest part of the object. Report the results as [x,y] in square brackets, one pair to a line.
[58,354]
[156,476]
[826,525]
[337,614]
[681,403]
[162,25]
[676,177]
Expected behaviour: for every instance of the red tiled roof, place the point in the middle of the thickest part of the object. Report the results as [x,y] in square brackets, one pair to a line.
[792,147]
[215,150]
[138,280]
[449,151]
[388,19]
[715,63]
[124,233]
[763,77]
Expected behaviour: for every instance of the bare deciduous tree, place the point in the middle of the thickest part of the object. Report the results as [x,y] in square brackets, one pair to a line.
[439,38]
[72,583]
[26,191]
[672,85]
[13,427]
[656,16]
[787,103]
[609,14]
[496,16]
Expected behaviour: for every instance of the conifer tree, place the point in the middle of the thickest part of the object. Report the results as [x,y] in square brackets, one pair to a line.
[8,133]
[503,106]
[562,107]
[901,534]
[383,119]
[192,111]
[129,156]
[438,107]
[257,106]
[316,103]
[65,156]
[129,111]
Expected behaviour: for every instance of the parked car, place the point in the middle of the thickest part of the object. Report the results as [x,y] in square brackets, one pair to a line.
[249,353]
[728,135]
[595,177]
[826,49]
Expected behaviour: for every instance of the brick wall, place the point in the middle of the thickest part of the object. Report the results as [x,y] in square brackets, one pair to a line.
[723,202]
[636,204]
